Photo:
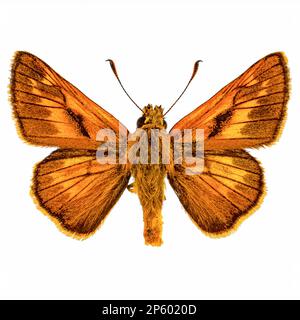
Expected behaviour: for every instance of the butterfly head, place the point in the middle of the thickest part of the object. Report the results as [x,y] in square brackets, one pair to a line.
[152,118]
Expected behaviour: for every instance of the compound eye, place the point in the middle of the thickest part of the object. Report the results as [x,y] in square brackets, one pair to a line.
[140,122]
[165,124]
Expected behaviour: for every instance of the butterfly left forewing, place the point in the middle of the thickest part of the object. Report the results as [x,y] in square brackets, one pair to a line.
[78,192]
[50,111]
[229,188]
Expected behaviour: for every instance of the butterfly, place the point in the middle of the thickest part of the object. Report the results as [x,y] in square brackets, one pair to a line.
[78,192]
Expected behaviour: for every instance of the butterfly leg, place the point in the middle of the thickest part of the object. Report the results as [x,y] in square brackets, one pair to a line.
[132,187]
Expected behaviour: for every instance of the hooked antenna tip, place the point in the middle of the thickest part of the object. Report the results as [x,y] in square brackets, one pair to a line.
[196,66]
[113,67]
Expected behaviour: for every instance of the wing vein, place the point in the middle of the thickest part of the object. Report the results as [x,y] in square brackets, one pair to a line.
[219,175]
[264,96]
[258,106]
[84,188]
[260,120]
[260,89]
[39,105]
[220,193]
[240,194]
[230,165]
[36,95]
[63,168]
[58,194]
[42,75]
[36,71]
[47,120]
[259,82]
[258,75]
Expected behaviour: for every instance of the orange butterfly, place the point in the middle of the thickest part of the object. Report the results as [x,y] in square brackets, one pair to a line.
[74,189]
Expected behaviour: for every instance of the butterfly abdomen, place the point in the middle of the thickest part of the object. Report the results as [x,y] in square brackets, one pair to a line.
[149,184]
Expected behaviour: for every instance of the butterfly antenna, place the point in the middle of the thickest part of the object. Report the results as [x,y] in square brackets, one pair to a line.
[196,65]
[113,68]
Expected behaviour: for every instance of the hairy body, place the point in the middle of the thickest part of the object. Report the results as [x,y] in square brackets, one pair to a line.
[149,185]
[149,179]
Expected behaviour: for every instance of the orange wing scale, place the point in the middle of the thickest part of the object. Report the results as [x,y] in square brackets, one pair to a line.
[70,185]
[230,186]
[248,112]
[52,112]
[76,191]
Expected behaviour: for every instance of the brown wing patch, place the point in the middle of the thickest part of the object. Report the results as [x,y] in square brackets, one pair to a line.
[230,187]
[52,112]
[76,191]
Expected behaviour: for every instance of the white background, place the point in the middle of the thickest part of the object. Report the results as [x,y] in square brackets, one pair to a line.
[154,45]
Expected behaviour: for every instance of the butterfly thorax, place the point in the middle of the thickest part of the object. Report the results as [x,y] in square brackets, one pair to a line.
[152,118]
[149,178]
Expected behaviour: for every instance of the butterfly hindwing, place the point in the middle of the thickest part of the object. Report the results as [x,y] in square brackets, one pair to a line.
[77,191]
[52,112]
[248,112]
[230,186]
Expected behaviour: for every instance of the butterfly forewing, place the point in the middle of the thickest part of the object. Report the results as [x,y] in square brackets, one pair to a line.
[52,112]
[248,112]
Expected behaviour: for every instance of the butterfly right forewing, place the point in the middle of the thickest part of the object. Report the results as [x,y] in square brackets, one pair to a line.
[249,111]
